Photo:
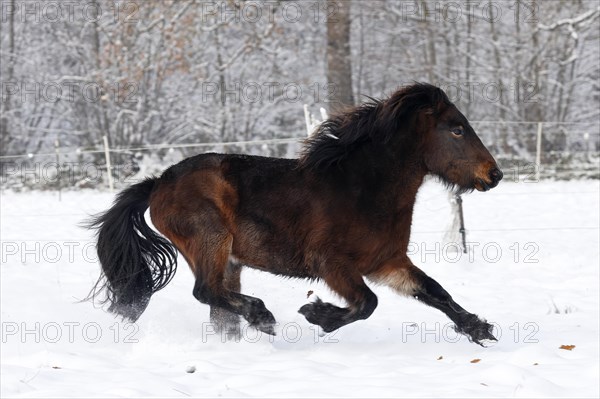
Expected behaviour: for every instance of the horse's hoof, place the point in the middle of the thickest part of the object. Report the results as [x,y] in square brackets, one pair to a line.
[309,309]
[486,343]
[477,331]
[482,335]
[264,321]
[329,317]
[266,328]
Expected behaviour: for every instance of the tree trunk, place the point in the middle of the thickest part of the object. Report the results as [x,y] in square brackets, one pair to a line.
[339,66]
[5,135]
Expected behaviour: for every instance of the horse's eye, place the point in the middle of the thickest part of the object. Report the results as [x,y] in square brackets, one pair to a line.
[458,131]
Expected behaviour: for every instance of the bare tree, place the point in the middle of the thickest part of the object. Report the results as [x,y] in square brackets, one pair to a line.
[339,60]
[185,71]
[5,104]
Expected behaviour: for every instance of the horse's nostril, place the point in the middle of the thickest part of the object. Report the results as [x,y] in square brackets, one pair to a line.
[496,175]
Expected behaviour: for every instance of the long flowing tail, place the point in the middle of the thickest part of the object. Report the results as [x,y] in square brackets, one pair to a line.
[136,261]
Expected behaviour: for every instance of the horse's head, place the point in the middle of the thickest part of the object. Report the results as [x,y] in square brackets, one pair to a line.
[418,125]
[452,150]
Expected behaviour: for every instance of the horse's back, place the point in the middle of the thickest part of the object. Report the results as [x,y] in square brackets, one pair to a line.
[233,167]
[209,189]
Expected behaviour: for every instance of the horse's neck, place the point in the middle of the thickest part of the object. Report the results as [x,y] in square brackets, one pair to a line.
[409,182]
[405,178]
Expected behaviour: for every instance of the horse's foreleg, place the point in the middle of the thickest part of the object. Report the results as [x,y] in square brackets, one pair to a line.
[361,300]
[408,279]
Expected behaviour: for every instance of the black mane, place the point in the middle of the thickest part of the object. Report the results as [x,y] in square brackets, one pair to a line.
[374,121]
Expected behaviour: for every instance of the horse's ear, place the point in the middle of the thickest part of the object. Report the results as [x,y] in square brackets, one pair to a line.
[440,100]
[437,101]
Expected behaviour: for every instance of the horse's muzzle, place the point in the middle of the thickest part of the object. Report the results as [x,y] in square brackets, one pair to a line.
[495,176]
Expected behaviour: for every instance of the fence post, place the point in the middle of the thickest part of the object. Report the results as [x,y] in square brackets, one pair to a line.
[324,115]
[58,169]
[307,120]
[538,152]
[462,231]
[108,166]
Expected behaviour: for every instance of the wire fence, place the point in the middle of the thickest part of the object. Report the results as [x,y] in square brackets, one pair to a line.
[588,134]
[151,147]
[59,170]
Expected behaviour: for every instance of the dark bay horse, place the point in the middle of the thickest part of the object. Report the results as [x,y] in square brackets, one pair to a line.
[341,213]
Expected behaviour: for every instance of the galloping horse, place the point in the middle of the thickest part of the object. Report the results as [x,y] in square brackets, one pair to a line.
[341,213]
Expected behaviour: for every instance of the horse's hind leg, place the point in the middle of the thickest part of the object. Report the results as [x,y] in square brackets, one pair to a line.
[225,321]
[407,279]
[197,217]
[361,300]
[210,257]
[251,308]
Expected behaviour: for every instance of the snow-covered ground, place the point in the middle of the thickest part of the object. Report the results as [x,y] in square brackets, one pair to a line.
[532,269]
